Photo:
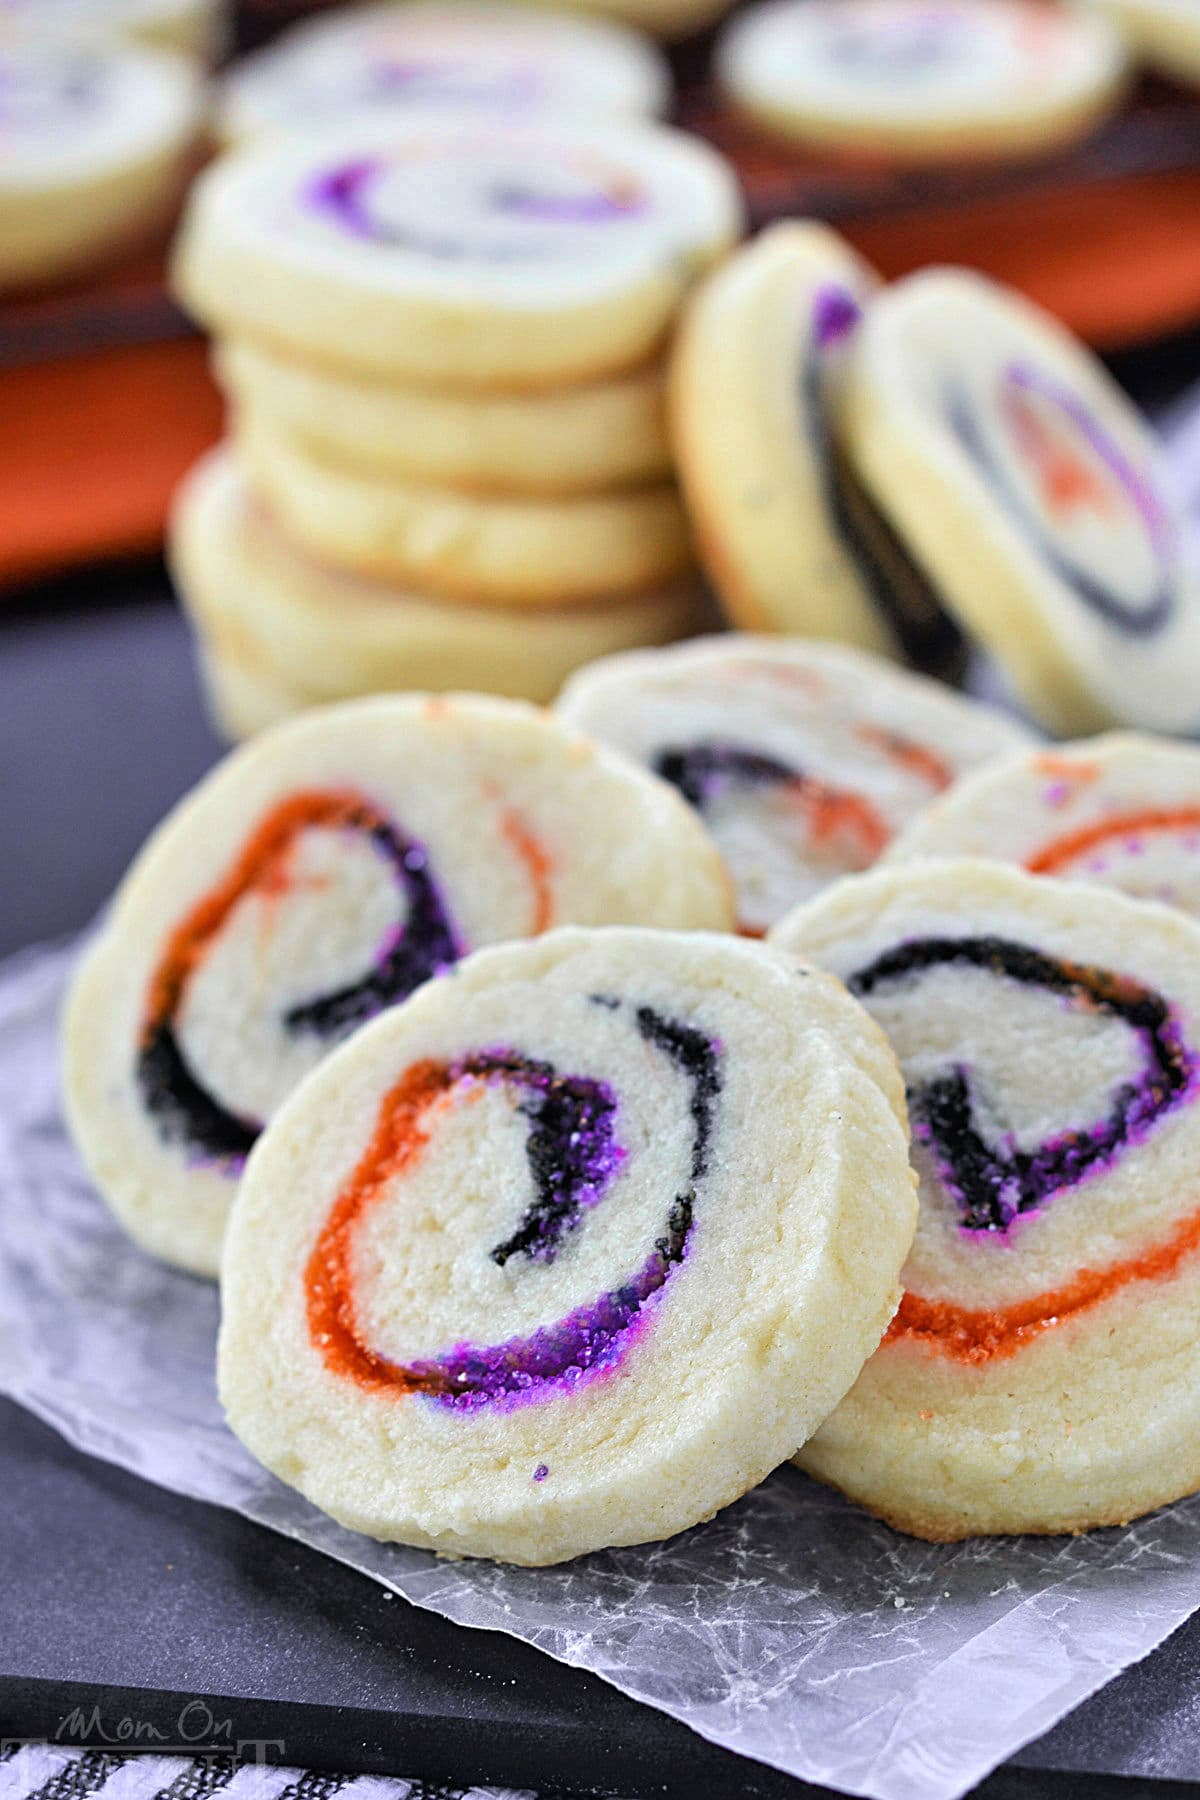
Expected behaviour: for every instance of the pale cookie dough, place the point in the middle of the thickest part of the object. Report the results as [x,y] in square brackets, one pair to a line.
[1122,811]
[755,376]
[1164,33]
[1043,1371]
[316,878]
[1035,497]
[569,440]
[93,144]
[570,1250]
[313,633]
[803,759]
[194,27]
[460,254]
[923,80]
[483,549]
[390,61]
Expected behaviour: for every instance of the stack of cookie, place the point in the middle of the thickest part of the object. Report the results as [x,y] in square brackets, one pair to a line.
[449,463]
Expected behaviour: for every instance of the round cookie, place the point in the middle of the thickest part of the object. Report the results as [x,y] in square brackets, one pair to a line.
[571,1249]
[802,758]
[193,27]
[460,254]
[1034,496]
[1042,1371]
[1164,33]
[393,60]
[755,374]
[316,633]
[489,550]
[923,83]
[1122,811]
[95,139]
[317,877]
[569,440]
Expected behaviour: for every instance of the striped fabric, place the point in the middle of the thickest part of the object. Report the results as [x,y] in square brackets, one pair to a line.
[55,1772]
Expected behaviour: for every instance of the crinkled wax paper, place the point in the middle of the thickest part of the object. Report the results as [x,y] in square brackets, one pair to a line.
[791,1628]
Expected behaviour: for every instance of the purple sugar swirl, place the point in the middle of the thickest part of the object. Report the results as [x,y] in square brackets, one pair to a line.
[573,1159]
[994,1184]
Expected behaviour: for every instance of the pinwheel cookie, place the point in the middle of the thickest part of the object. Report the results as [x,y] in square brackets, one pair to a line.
[753,377]
[326,635]
[923,82]
[563,440]
[1122,811]
[477,1249]
[390,61]
[93,139]
[803,759]
[1043,1370]
[460,254]
[1034,496]
[314,879]
[498,550]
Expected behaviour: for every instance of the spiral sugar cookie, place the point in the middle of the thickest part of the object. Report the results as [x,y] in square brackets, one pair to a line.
[1034,496]
[1122,811]
[802,759]
[460,254]
[754,377]
[312,633]
[390,61]
[476,1250]
[568,440]
[93,140]
[1164,33]
[923,80]
[1043,1370]
[496,550]
[194,27]
[318,877]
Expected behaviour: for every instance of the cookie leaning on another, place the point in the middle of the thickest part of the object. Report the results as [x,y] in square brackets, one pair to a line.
[1034,496]
[802,758]
[316,878]
[754,374]
[1043,1371]
[571,1249]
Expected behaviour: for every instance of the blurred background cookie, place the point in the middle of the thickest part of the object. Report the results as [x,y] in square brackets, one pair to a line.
[96,139]
[482,57]
[901,78]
